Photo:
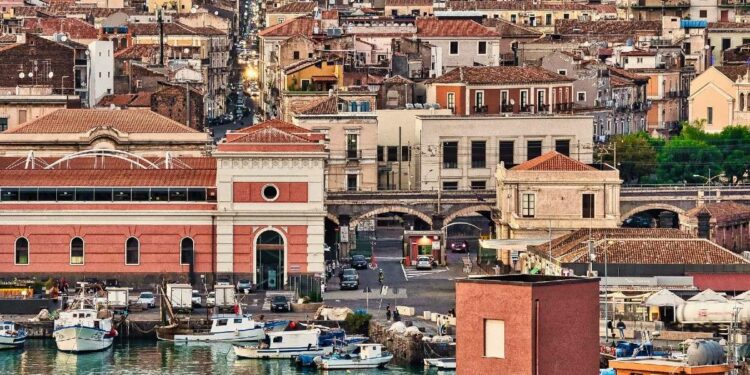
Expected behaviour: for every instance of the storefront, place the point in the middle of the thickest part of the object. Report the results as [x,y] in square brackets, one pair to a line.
[422,242]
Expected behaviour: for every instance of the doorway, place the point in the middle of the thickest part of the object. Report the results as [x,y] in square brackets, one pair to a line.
[270,261]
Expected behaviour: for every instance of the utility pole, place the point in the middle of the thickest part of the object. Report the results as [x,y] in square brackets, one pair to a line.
[160,20]
[400,158]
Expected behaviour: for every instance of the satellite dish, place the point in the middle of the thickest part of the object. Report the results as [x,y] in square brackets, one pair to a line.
[31,74]
[63,38]
[216,13]
[50,74]
[21,75]
[192,10]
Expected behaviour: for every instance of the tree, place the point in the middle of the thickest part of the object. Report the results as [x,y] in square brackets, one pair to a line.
[636,156]
[681,158]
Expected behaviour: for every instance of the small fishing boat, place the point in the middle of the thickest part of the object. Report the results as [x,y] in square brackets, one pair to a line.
[284,345]
[365,356]
[336,337]
[441,363]
[224,328]
[84,327]
[12,335]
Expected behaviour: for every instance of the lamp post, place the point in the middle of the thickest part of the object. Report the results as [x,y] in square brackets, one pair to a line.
[709,180]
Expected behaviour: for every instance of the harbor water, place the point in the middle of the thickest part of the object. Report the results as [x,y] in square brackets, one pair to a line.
[149,357]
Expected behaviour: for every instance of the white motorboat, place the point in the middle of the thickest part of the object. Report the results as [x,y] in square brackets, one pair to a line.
[224,328]
[441,363]
[83,328]
[12,335]
[365,356]
[287,344]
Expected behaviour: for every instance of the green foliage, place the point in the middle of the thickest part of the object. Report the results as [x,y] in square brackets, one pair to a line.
[636,156]
[357,323]
[681,159]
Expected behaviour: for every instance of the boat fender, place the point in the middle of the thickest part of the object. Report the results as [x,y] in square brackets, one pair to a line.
[111,333]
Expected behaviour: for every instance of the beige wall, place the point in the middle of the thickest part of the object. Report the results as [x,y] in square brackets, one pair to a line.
[437,129]
[338,166]
[14,108]
[277,18]
[712,89]
[558,201]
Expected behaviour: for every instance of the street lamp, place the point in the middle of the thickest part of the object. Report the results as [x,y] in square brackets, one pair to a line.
[709,180]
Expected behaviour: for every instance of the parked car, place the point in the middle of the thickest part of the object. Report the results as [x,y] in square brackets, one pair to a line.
[197,300]
[459,246]
[424,262]
[279,303]
[359,262]
[349,279]
[211,299]
[637,222]
[147,299]
[244,286]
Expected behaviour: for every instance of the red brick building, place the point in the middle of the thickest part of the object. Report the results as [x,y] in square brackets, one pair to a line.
[253,210]
[501,89]
[527,324]
[728,224]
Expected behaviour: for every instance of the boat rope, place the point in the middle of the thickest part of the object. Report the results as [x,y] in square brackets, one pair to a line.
[137,328]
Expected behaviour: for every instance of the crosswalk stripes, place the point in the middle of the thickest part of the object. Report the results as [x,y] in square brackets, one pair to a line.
[412,273]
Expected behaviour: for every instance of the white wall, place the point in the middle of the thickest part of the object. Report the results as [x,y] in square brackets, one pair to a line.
[101,72]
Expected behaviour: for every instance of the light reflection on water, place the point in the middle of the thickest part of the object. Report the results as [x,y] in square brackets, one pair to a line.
[147,358]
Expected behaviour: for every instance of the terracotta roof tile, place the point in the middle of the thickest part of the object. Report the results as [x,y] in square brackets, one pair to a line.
[75,28]
[433,27]
[722,211]
[607,27]
[324,106]
[297,26]
[296,7]
[329,15]
[83,120]
[511,5]
[553,161]
[397,79]
[657,251]
[577,240]
[408,3]
[733,71]
[728,25]
[108,177]
[498,75]
[511,30]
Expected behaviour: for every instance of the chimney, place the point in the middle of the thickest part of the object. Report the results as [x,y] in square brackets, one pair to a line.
[704,225]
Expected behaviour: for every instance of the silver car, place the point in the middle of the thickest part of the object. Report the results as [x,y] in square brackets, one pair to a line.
[424,263]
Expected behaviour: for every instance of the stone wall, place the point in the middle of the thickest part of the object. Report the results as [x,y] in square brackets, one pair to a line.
[407,349]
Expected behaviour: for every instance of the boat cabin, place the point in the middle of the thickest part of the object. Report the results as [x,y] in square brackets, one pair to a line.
[292,339]
[232,323]
[7,327]
[370,351]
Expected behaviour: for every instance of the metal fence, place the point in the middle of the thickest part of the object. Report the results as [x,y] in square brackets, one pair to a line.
[306,285]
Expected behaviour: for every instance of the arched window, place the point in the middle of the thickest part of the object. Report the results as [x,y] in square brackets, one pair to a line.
[132,251]
[22,251]
[186,251]
[76,251]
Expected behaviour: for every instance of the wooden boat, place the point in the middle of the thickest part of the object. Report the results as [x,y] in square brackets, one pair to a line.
[224,328]
[365,356]
[284,345]
[84,328]
[12,335]
[441,363]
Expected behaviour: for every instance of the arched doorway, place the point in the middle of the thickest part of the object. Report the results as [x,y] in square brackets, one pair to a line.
[270,260]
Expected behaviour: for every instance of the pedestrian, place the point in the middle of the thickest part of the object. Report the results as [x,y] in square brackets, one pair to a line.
[381,277]
[396,316]
[388,312]
[322,286]
[610,329]
[621,327]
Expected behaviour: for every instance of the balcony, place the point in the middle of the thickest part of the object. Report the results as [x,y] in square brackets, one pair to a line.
[353,155]
[543,108]
[525,108]
[481,109]
[734,3]
[667,4]
[563,107]
[506,108]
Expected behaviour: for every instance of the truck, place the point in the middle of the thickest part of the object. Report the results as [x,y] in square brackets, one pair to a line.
[224,296]
[117,298]
[181,296]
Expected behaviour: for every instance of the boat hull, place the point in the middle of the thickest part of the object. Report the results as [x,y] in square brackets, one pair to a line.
[255,334]
[79,339]
[285,353]
[12,342]
[354,363]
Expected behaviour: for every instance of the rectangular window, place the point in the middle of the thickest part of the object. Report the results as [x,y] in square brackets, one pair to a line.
[703,13]
[454,48]
[3,124]
[494,338]
[482,48]
[451,100]
[381,153]
[710,115]
[351,146]
[21,116]
[478,154]
[524,99]
[479,100]
[512,18]
[506,153]
[392,153]
[479,185]
[295,55]
[450,155]
[563,146]
[305,84]
[528,205]
[562,72]
[581,96]
[533,149]
[405,154]
[548,20]
[351,182]
[588,206]
[726,44]
[450,185]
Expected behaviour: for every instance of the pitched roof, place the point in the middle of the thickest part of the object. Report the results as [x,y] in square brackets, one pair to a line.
[296,26]
[83,120]
[553,161]
[408,3]
[109,178]
[732,71]
[658,251]
[141,99]
[498,75]
[324,106]
[722,211]
[511,30]
[295,7]
[462,5]
[74,27]
[577,240]
[398,79]
[433,27]
[273,136]
[727,25]
[606,27]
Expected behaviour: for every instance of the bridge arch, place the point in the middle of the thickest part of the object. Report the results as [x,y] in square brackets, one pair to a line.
[466,211]
[649,207]
[391,209]
[333,218]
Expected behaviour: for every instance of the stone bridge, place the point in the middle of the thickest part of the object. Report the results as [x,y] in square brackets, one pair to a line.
[430,209]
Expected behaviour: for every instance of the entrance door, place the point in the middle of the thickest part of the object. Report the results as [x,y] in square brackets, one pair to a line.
[269,258]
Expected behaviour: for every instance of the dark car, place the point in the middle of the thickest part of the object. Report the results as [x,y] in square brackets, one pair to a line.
[637,222]
[279,303]
[459,246]
[359,262]
[349,279]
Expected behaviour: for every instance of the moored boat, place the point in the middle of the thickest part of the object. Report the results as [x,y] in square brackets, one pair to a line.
[441,363]
[365,356]
[84,330]
[12,335]
[224,328]
[284,345]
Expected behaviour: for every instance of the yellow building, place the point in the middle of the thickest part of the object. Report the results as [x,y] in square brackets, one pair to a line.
[180,6]
[281,14]
[313,75]
[720,96]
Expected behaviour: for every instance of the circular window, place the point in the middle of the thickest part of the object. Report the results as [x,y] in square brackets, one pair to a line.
[270,192]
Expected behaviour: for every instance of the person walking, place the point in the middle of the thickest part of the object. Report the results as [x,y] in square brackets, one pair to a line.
[388,312]
[381,277]
[621,326]
[610,329]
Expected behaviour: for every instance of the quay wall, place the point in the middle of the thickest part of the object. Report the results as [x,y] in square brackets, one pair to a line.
[407,349]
